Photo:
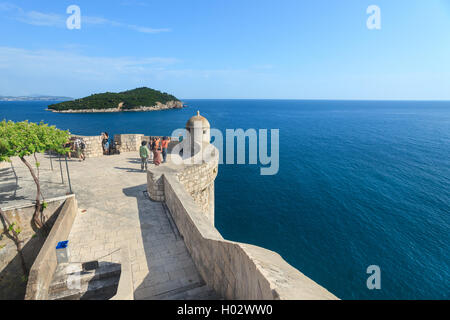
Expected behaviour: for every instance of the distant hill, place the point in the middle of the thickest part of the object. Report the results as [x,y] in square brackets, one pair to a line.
[34,98]
[140,99]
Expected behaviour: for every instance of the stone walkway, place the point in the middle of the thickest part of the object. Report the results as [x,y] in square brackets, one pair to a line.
[114,208]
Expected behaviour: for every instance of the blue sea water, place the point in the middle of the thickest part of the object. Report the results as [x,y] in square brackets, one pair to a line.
[360,183]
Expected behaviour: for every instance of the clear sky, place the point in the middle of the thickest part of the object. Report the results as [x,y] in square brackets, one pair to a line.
[287,49]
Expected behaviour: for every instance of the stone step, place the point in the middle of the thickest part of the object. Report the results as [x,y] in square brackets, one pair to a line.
[99,289]
[68,274]
[70,282]
[203,293]
[197,291]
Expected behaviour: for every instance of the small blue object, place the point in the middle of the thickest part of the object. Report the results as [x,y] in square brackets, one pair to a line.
[62,252]
[62,245]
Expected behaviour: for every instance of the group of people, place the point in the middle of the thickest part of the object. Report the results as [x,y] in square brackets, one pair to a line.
[158,147]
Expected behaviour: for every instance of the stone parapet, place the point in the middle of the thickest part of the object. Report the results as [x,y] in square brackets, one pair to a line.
[45,264]
[235,270]
[128,142]
[198,180]
[12,286]
[94,147]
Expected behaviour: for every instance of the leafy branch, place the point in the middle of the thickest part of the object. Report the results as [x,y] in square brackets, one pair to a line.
[22,139]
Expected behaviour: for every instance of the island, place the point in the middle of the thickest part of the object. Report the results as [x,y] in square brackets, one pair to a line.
[140,99]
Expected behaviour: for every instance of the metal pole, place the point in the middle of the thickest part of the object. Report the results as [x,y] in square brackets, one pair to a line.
[60,167]
[51,162]
[68,175]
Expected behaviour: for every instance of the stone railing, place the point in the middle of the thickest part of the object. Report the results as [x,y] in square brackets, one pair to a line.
[128,142]
[235,270]
[132,142]
[124,143]
[12,273]
[93,146]
[125,289]
[198,180]
[44,266]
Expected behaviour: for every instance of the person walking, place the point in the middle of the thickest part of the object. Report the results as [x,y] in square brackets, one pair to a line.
[165,146]
[144,153]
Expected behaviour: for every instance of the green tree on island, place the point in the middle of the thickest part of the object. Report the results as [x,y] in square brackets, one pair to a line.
[140,97]
[22,139]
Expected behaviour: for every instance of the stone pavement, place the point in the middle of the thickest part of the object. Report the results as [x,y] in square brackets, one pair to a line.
[114,209]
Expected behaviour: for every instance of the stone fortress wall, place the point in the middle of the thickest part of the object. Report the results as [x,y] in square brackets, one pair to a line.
[124,142]
[197,180]
[235,270]
[128,142]
[93,145]
[12,285]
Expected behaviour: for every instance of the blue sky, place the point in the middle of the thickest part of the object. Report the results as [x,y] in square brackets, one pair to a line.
[288,49]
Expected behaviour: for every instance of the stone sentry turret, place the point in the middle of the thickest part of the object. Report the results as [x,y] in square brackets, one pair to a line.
[198,136]
[196,169]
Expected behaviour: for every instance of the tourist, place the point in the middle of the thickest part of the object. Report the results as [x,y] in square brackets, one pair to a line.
[80,147]
[68,145]
[165,146]
[144,153]
[156,152]
[105,143]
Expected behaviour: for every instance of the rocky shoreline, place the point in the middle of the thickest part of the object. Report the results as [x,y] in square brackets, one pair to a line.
[158,107]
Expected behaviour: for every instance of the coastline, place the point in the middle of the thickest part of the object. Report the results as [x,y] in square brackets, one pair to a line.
[158,107]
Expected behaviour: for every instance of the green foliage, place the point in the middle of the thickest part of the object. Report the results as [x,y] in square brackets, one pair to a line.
[20,139]
[44,205]
[17,230]
[11,227]
[131,99]
[2,246]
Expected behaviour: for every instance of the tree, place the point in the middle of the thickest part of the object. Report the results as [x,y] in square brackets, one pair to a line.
[23,139]
[131,99]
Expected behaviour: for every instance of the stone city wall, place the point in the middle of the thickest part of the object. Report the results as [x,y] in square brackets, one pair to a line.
[12,284]
[236,271]
[44,266]
[93,146]
[124,142]
[128,142]
[197,179]
[132,142]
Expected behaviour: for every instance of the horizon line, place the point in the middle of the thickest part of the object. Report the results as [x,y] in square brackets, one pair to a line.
[323,99]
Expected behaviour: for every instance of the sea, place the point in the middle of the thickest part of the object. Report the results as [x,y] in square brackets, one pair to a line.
[360,184]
